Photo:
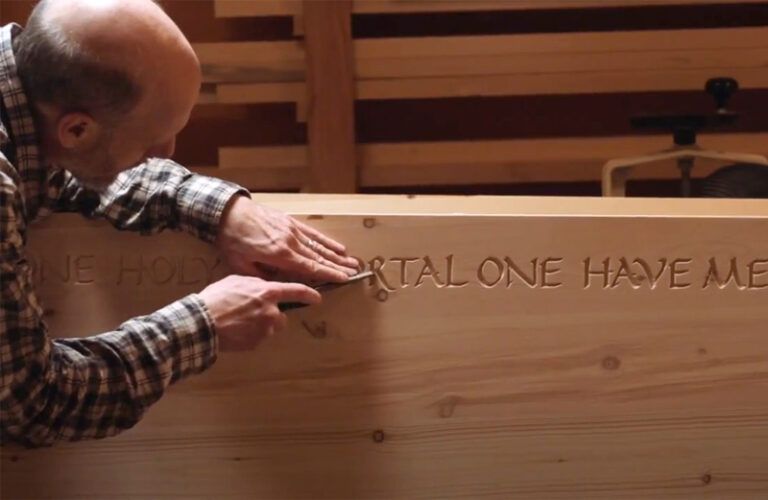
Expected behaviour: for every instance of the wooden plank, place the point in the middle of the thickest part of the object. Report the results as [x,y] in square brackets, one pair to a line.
[564,388]
[246,93]
[331,96]
[498,161]
[667,80]
[562,43]
[236,62]
[501,64]
[562,64]
[256,8]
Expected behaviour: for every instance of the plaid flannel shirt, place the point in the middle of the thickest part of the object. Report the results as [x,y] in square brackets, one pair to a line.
[91,387]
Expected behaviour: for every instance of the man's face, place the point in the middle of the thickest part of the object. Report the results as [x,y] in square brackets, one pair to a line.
[148,131]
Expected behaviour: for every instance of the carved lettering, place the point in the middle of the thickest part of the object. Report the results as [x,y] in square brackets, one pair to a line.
[675,272]
[498,273]
[513,268]
[626,273]
[451,283]
[404,261]
[546,271]
[714,275]
[429,270]
[607,273]
[604,272]
[653,279]
[136,268]
[184,268]
[163,270]
[753,274]
[376,264]
[84,265]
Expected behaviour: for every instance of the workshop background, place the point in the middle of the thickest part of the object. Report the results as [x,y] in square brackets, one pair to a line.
[504,97]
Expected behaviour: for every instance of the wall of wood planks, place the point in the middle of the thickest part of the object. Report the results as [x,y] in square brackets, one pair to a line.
[426,122]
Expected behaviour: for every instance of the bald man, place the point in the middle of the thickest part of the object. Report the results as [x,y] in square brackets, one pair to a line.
[94,93]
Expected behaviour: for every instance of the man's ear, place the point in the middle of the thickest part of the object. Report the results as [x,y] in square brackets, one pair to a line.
[77,131]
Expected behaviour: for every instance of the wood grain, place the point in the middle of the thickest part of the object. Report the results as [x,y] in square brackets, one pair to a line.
[625,391]
[331,96]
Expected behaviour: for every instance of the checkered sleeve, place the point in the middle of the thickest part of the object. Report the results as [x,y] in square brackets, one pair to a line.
[92,387]
[156,195]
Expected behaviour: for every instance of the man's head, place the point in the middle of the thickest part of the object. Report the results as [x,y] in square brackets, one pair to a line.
[111,83]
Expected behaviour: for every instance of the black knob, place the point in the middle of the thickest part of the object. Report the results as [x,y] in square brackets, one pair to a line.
[722,89]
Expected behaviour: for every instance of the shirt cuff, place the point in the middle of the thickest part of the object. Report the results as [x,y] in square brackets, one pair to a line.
[201,202]
[193,337]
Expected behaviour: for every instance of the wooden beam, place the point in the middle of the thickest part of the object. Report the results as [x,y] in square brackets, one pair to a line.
[492,162]
[331,96]
[255,8]
[589,381]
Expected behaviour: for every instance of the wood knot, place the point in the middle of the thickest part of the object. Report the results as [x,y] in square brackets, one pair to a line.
[447,406]
[382,295]
[706,478]
[378,436]
[369,222]
[611,363]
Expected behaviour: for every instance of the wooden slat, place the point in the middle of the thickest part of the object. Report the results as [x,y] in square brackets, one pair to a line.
[562,43]
[506,65]
[237,62]
[549,84]
[331,96]
[574,391]
[559,55]
[501,85]
[255,8]
[495,162]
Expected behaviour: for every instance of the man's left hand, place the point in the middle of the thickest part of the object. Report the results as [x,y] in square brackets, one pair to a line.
[260,241]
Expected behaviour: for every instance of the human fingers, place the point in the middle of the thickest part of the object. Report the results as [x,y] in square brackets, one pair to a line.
[295,292]
[322,238]
[315,251]
[344,262]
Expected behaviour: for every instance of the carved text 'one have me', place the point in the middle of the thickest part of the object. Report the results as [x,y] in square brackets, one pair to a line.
[609,273]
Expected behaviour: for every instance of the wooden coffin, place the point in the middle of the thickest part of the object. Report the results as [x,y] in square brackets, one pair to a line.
[508,348]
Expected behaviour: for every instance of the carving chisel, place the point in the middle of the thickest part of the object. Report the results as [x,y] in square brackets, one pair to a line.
[325,287]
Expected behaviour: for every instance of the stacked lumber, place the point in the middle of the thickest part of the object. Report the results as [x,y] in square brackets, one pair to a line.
[349,70]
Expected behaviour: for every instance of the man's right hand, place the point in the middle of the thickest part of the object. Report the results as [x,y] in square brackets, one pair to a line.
[244,309]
